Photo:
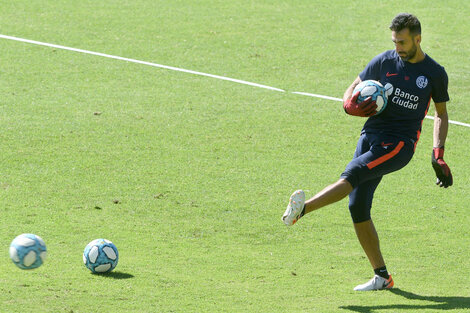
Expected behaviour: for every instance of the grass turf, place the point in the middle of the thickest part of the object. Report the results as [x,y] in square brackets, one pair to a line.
[189,175]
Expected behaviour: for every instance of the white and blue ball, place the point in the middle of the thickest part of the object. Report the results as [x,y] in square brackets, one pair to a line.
[28,251]
[375,90]
[100,256]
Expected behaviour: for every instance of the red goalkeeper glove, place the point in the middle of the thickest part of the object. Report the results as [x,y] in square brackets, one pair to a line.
[444,176]
[364,108]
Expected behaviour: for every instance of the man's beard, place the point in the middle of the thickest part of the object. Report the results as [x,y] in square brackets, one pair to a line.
[410,54]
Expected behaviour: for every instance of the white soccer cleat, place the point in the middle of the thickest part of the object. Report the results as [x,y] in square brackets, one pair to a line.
[376,283]
[294,208]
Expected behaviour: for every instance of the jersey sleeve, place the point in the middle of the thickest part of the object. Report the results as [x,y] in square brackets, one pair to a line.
[372,70]
[439,88]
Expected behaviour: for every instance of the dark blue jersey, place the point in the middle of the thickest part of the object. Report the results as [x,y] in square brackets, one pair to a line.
[414,84]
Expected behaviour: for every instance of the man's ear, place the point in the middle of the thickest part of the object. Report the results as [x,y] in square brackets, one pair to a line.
[418,39]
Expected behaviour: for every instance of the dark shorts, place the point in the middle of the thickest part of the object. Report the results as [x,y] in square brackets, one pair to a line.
[376,155]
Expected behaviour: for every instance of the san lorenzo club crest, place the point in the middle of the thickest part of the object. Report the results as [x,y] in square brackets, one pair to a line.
[421,82]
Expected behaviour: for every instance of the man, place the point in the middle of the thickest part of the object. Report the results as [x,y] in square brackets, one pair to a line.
[387,140]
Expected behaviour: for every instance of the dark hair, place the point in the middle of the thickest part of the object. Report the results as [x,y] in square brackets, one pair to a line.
[406,20]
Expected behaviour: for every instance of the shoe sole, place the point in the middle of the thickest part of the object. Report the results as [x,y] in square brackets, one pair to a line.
[297,197]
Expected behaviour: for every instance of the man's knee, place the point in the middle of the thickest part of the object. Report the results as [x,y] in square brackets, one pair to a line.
[359,213]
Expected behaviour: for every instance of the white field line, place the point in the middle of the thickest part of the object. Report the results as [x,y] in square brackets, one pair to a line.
[316,96]
[39,43]
[338,99]
[139,62]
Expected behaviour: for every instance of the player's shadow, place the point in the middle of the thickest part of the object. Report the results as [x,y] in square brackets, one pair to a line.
[441,303]
[116,275]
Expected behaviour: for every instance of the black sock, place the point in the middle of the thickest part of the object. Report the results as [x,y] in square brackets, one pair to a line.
[303,212]
[382,272]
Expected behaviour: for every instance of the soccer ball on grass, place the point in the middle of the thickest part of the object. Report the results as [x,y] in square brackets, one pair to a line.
[100,256]
[28,251]
[374,89]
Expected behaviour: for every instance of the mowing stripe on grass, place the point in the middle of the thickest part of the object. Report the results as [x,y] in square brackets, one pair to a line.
[182,70]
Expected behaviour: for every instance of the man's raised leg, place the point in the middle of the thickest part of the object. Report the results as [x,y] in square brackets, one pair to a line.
[331,194]
[298,207]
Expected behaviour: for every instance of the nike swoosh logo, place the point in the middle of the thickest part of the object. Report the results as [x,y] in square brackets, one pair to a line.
[391,74]
[386,144]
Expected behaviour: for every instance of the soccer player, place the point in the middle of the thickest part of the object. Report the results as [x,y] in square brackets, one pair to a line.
[388,140]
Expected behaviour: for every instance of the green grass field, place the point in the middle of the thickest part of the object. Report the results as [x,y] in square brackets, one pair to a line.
[189,175]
